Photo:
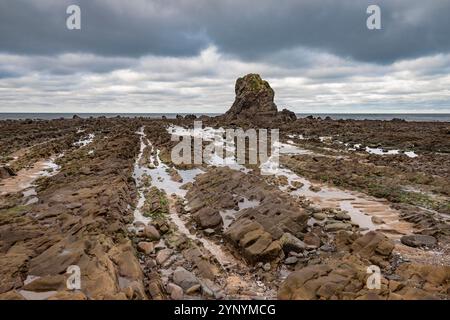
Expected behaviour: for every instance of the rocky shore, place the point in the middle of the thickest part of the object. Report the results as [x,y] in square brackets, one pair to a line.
[103,194]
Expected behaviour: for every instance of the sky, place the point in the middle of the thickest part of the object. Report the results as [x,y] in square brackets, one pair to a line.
[185,55]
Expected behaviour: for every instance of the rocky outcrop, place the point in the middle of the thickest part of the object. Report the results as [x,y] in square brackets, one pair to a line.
[286,115]
[257,231]
[254,97]
[254,102]
[81,220]
[346,277]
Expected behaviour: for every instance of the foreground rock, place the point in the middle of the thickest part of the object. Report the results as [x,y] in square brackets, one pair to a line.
[81,220]
[347,276]
[258,228]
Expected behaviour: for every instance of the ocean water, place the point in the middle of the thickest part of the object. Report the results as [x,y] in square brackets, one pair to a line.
[422,117]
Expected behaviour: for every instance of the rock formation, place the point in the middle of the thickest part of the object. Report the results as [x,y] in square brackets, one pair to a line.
[255,98]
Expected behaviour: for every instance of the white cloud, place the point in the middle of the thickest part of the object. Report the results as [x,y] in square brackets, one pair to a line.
[319,82]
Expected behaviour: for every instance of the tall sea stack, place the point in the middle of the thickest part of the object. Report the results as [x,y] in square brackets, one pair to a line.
[255,99]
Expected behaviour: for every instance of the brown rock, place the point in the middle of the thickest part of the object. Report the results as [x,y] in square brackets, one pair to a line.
[254,96]
[176,292]
[151,233]
[11,295]
[163,255]
[146,247]
[373,243]
[207,217]
[68,295]
[312,239]
[47,283]
[291,243]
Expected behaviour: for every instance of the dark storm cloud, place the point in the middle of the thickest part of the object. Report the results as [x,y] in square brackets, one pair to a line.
[119,28]
[248,29]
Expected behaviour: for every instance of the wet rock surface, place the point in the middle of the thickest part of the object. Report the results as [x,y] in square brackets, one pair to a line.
[419,240]
[256,231]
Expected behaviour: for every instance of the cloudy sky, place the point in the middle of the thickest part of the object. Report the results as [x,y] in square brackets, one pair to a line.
[185,55]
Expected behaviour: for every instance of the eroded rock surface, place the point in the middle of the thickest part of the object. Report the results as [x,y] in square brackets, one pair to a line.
[256,230]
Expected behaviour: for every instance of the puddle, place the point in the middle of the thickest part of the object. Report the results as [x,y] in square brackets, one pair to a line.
[381,151]
[327,139]
[160,177]
[296,136]
[138,176]
[364,221]
[85,141]
[223,258]
[290,149]
[217,138]
[24,178]
[229,215]
[359,207]
[162,180]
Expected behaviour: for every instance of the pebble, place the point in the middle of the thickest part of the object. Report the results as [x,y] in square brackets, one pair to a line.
[209,231]
[163,255]
[291,260]
[319,216]
[327,248]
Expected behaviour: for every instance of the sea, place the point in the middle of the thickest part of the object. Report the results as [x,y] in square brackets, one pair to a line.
[421,117]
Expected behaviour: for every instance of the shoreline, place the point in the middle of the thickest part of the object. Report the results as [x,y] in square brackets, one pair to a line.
[409,117]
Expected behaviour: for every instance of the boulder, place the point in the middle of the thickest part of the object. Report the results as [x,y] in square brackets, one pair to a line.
[176,292]
[342,216]
[184,278]
[207,217]
[286,115]
[319,216]
[255,243]
[146,247]
[291,243]
[419,240]
[312,240]
[337,226]
[151,233]
[291,260]
[374,247]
